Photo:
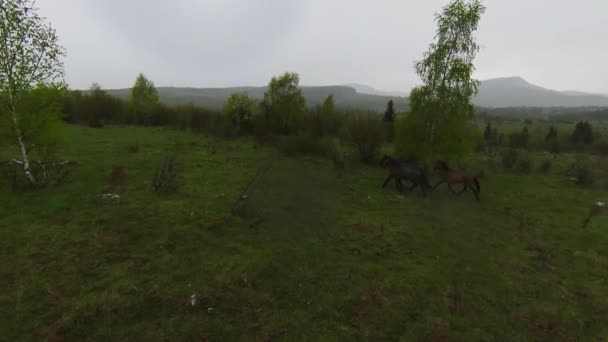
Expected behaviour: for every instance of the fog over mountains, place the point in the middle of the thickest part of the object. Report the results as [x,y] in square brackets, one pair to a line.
[493,93]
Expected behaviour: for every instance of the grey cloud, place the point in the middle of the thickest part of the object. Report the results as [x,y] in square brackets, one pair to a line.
[554,43]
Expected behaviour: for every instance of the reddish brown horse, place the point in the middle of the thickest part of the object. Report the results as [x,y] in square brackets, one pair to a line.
[456,177]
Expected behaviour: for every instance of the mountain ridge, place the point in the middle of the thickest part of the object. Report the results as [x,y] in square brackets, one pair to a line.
[504,92]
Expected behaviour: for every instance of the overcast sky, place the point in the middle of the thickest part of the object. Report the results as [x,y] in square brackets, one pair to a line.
[561,44]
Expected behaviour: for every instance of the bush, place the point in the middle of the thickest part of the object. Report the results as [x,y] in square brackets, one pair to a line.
[509,159]
[584,175]
[165,177]
[366,134]
[293,145]
[117,176]
[524,164]
[545,166]
[581,173]
[239,108]
[133,148]
[338,155]
[602,148]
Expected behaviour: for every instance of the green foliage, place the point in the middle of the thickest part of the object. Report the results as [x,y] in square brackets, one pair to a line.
[545,166]
[389,113]
[30,58]
[582,173]
[524,164]
[520,140]
[441,110]
[326,120]
[509,159]
[583,133]
[144,96]
[283,103]
[366,134]
[487,133]
[239,108]
[40,119]
[41,115]
[301,144]
[552,134]
[29,50]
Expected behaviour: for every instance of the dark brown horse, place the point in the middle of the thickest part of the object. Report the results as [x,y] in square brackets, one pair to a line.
[399,171]
[456,177]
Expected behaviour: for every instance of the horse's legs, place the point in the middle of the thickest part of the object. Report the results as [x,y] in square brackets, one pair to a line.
[386,181]
[398,184]
[464,188]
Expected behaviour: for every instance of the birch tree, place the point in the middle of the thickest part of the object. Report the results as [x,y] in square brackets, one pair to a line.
[30,56]
[439,124]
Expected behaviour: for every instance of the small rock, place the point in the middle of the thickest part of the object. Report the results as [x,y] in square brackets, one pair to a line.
[110,197]
[600,204]
[193,299]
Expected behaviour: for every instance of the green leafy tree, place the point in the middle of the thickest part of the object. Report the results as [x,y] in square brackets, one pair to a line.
[328,107]
[239,108]
[552,134]
[487,133]
[583,133]
[440,122]
[30,59]
[520,140]
[326,120]
[144,97]
[366,134]
[284,104]
[389,113]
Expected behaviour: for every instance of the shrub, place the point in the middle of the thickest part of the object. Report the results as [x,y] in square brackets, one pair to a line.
[338,155]
[117,176]
[239,108]
[602,148]
[301,144]
[524,164]
[133,148]
[366,134]
[555,148]
[581,173]
[165,177]
[545,166]
[583,133]
[584,175]
[284,104]
[509,159]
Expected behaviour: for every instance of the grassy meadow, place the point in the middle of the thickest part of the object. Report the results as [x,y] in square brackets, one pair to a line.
[322,255]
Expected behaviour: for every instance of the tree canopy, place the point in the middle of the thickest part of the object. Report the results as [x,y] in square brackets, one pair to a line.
[440,122]
[144,94]
[30,64]
[284,102]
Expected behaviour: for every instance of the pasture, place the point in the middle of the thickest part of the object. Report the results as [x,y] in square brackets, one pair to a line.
[318,256]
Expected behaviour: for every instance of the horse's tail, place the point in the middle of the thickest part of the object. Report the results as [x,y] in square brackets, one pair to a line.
[477,185]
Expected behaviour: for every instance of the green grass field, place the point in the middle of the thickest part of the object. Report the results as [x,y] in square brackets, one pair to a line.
[325,257]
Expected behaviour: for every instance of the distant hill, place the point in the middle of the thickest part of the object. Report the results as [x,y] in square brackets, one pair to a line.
[214,98]
[517,92]
[498,93]
[365,89]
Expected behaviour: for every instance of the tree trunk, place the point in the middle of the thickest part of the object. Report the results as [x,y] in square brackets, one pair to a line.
[26,162]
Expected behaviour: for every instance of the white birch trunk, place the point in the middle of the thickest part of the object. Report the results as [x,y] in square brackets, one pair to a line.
[26,162]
